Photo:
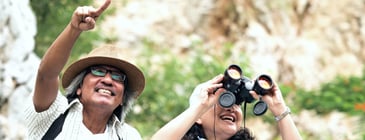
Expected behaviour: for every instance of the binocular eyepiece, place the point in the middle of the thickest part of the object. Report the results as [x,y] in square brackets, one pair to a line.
[237,87]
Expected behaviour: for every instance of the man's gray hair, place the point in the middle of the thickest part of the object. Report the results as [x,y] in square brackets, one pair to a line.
[121,111]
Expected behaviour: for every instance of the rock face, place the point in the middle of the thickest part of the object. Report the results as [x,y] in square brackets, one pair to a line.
[18,64]
[304,42]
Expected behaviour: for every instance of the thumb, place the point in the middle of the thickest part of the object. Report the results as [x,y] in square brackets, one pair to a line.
[88,24]
[254,95]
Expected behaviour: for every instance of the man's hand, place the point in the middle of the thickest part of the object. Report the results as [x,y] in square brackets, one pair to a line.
[84,17]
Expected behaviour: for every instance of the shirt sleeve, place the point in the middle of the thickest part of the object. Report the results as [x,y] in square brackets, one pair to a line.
[38,123]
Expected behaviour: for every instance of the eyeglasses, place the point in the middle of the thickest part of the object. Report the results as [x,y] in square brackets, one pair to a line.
[101,72]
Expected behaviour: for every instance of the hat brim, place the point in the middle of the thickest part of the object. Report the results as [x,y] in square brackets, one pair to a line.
[136,80]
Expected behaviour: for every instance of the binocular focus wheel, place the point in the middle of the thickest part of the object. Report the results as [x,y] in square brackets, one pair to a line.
[227,99]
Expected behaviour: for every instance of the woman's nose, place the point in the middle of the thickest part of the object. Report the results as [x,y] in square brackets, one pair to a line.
[230,109]
[233,108]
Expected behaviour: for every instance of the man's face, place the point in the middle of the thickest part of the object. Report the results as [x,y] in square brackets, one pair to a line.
[223,122]
[103,88]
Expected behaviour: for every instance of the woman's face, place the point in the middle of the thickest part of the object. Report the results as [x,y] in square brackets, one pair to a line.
[101,89]
[221,122]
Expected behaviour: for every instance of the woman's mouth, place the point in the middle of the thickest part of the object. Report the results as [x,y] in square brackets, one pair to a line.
[228,117]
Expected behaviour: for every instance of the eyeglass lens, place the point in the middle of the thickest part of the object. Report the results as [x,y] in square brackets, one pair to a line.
[100,71]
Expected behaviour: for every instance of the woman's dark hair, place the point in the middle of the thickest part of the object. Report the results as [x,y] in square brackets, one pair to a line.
[196,132]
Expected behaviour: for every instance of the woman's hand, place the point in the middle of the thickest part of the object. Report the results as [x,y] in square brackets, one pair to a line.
[206,94]
[84,17]
[277,106]
[273,99]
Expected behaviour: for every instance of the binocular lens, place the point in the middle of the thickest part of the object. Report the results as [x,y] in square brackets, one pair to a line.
[233,73]
[260,108]
[232,77]
[265,82]
[227,99]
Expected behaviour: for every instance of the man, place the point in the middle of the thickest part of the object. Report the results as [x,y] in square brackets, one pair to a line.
[100,88]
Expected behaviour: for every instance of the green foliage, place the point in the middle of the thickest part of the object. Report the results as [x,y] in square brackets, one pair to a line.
[342,94]
[52,17]
[170,81]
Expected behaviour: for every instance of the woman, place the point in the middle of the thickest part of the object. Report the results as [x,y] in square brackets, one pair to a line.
[205,119]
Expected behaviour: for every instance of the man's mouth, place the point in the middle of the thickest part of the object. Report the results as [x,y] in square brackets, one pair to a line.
[105,91]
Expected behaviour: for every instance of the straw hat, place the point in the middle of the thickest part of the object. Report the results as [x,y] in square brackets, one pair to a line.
[111,56]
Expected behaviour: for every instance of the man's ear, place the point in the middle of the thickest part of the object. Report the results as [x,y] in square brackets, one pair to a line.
[78,91]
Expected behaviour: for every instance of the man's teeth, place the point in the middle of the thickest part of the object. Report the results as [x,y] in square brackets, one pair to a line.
[105,91]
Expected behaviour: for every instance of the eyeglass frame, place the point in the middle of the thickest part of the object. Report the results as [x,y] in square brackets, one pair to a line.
[105,71]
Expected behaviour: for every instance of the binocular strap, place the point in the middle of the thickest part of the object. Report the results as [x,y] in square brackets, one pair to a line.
[244,115]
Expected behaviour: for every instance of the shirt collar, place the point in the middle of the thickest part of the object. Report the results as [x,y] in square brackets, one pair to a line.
[78,105]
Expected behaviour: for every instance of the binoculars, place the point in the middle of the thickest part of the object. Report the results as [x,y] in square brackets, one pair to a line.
[238,86]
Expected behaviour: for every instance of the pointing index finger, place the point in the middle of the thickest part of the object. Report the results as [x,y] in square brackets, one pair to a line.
[103,7]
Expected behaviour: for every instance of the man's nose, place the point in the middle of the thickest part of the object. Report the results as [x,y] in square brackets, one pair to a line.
[107,79]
